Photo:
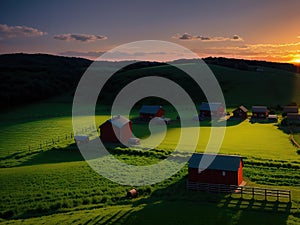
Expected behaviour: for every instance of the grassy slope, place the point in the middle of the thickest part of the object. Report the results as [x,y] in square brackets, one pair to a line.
[70,184]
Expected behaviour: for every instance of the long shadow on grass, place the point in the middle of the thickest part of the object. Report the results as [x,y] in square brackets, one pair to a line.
[68,154]
[141,130]
[71,153]
[177,205]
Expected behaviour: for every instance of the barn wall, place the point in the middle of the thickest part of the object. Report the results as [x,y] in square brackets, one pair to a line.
[205,113]
[160,113]
[146,115]
[260,114]
[220,110]
[107,133]
[126,133]
[240,174]
[240,114]
[213,176]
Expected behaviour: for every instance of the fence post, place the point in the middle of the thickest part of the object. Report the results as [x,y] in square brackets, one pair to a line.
[265,194]
[277,195]
[242,192]
[253,192]
[290,196]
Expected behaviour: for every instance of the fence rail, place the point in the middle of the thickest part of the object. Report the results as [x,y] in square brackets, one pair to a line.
[64,139]
[242,190]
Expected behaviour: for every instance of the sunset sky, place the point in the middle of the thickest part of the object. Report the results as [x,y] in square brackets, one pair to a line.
[257,29]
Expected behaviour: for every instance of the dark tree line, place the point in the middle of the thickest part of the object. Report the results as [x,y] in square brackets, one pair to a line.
[250,65]
[26,78]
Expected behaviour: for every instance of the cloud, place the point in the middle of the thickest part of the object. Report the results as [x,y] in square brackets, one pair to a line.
[89,55]
[111,55]
[79,37]
[187,36]
[19,31]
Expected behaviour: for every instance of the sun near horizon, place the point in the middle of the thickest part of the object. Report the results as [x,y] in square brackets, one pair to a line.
[296,60]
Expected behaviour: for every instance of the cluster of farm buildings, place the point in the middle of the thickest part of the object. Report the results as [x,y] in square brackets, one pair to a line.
[224,169]
[118,129]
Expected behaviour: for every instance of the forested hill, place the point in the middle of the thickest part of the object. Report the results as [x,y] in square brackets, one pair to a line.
[249,65]
[26,78]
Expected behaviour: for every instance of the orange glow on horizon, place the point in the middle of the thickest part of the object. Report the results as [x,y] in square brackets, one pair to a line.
[296,60]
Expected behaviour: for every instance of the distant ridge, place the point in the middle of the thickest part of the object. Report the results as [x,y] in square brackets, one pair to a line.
[244,64]
[26,78]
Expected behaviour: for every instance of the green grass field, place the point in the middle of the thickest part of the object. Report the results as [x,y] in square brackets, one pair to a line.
[54,185]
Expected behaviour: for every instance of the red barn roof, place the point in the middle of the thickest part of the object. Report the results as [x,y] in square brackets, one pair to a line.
[243,108]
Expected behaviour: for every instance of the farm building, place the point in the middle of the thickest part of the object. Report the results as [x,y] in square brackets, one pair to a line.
[151,111]
[272,118]
[240,112]
[224,169]
[115,130]
[211,109]
[290,109]
[134,141]
[261,112]
[162,120]
[81,139]
[293,118]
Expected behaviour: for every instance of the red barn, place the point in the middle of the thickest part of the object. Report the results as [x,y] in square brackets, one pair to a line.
[240,112]
[116,130]
[211,109]
[224,169]
[151,111]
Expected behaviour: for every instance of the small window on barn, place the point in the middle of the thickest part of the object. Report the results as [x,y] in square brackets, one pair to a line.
[223,173]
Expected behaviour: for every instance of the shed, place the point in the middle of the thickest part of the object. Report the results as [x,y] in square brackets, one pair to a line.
[240,112]
[81,139]
[224,169]
[118,129]
[290,109]
[260,112]
[151,111]
[211,109]
[273,118]
[162,120]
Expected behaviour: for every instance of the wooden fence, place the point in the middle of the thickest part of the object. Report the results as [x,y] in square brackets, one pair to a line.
[65,139]
[294,142]
[241,190]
